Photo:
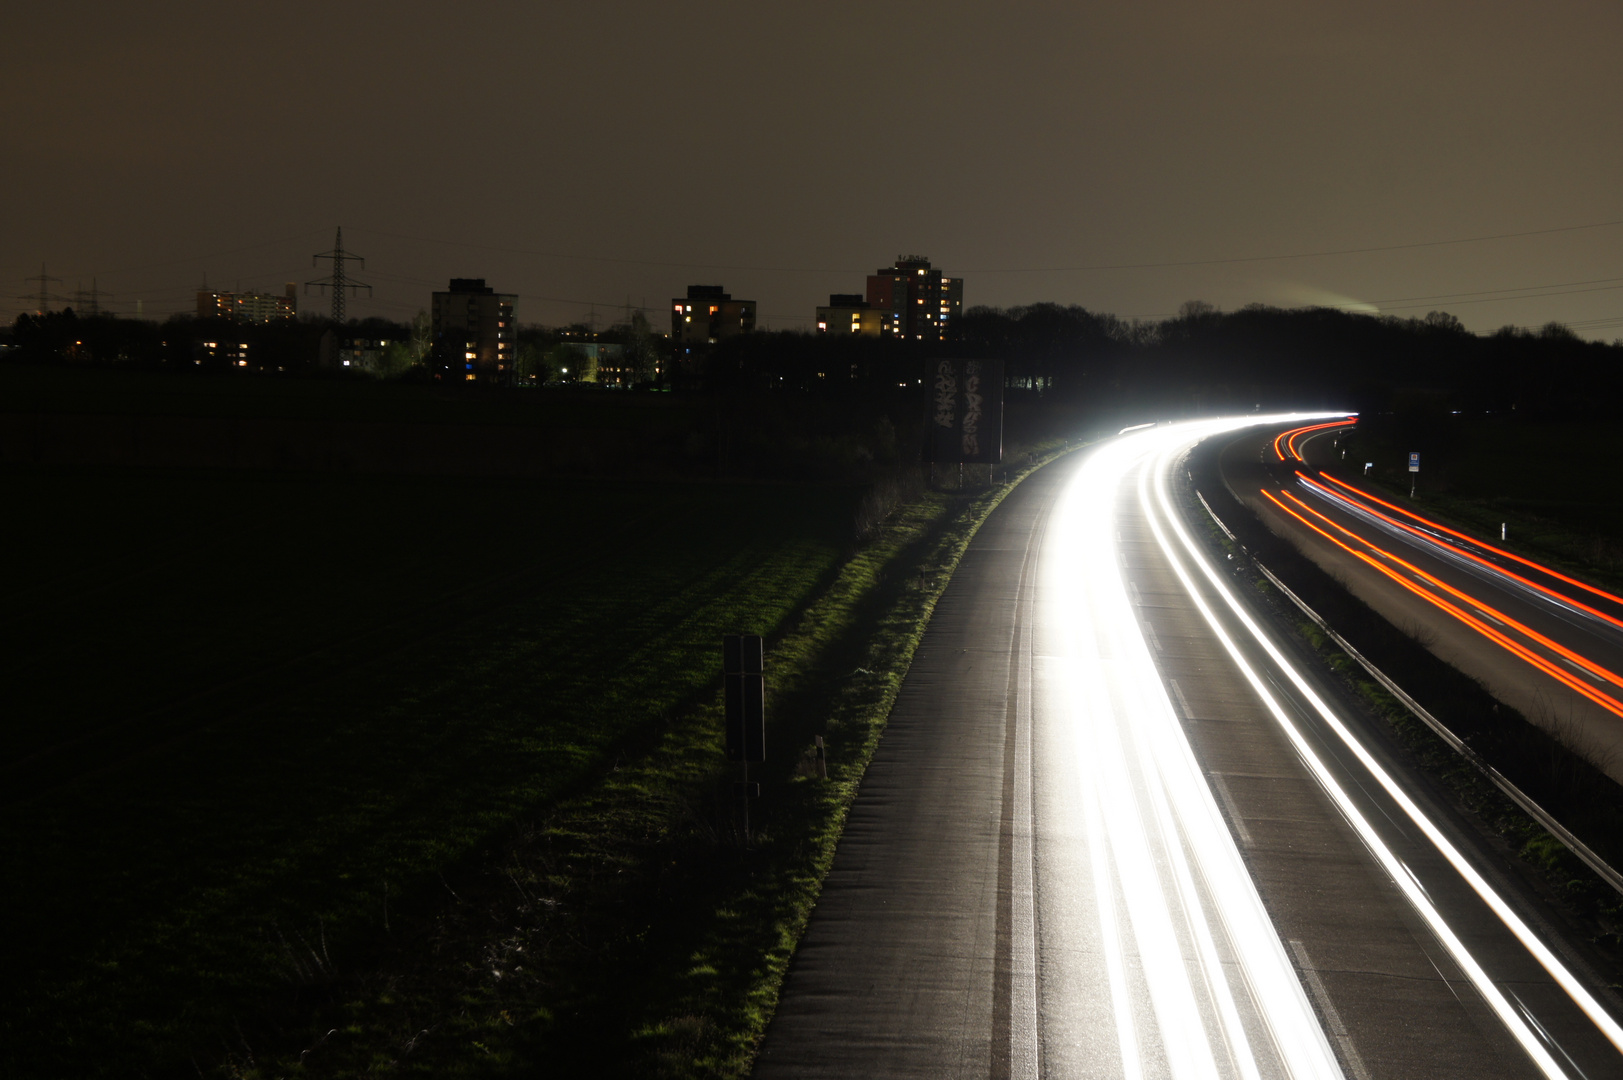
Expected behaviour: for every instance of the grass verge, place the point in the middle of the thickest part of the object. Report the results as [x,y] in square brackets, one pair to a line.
[629,931]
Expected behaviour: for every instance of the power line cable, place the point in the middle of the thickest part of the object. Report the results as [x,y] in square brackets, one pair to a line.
[1228,260]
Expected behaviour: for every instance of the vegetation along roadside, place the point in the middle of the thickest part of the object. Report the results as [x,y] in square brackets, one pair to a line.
[627,931]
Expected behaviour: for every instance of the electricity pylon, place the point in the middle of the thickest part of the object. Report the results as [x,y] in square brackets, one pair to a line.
[339,280]
[44,296]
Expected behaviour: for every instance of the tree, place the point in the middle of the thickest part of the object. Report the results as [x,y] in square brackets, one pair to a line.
[642,350]
[1442,320]
[422,337]
[395,360]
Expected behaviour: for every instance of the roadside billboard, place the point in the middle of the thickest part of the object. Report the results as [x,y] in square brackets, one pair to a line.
[964,399]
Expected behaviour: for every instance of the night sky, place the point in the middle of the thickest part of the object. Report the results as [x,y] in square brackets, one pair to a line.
[1125,157]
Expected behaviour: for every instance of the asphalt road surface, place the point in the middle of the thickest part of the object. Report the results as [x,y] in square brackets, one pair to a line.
[1119,828]
[1545,646]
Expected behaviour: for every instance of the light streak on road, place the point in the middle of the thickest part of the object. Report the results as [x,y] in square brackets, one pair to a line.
[1285,441]
[1498,637]
[1221,988]
[1357,500]
[1190,927]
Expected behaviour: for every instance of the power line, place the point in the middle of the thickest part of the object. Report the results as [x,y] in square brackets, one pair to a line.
[1227,260]
[1512,289]
[213,254]
[1300,254]
[1502,299]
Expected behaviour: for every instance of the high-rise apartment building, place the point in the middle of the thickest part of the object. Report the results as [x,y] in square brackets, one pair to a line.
[914,300]
[248,307]
[706,316]
[473,334]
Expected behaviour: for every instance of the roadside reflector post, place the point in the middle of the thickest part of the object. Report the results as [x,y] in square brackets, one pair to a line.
[1502,530]
[742,657]
[822,759]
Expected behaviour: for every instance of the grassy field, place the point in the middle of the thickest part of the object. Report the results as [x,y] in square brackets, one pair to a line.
[26,388]
[249,713]
[338,775]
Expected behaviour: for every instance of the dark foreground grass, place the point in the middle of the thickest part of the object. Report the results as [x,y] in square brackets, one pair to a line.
[246,715]
[336,776]
[629,931]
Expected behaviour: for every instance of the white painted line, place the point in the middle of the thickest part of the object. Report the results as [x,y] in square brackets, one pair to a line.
[1177,695]
[1332,1019]
[1024,1050]
[1221,786]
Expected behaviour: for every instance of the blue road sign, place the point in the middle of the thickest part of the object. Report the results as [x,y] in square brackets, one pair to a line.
[1414,462]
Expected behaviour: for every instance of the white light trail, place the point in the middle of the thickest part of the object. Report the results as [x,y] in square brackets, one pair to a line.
[1235,898]
[1198,932]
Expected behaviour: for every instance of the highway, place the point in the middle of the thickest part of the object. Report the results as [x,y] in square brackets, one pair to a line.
[1544,643]
[1118,826]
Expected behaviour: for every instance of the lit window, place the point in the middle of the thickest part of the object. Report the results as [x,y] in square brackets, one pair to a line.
[679,309]
[822,326]
[688,319]
[714,309]
[470,356]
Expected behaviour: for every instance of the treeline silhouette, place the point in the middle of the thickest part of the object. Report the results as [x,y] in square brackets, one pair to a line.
[1204,360]
[1200,361]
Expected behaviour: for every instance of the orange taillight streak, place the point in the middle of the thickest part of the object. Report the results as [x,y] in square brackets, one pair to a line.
[1513,647]
[1487,609]
[1547,591]
[1290,443]
[1289,436]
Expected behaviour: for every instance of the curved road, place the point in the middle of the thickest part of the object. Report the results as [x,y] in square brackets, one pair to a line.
[1546,645]
[1118,827]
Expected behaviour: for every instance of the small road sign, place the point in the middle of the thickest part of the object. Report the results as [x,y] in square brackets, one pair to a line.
[745,697]
[1414,462]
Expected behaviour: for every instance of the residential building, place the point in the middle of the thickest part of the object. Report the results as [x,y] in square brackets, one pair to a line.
[248,307]
[706,316]
[850,313]
[914,300]
[355,353]
[473,335]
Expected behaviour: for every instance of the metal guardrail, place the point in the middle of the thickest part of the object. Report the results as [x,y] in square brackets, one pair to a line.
[1602,869]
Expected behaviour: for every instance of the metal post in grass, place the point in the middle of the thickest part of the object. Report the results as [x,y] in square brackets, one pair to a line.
[742,657]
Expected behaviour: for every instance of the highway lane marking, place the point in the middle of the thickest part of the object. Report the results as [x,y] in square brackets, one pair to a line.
[1183,703]
[1221,786]
[1333,1025]
[1024,1025]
